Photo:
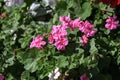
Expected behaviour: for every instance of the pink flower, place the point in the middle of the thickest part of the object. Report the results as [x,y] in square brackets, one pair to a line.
[77,22]
[87,28]
[72,24]
[90,33]
[84,77]
[58,31]
[111,23]
[37,42]
[58,37]
[1,77]
[65,20]
[61,43]
[84,40]
[51,39]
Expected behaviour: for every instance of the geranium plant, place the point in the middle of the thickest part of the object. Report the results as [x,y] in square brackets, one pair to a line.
[67,40]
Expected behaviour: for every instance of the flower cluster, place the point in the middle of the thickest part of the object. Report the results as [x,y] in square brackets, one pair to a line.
[58,37]
[66,21]
[59,33]
[84,39]
[37,42]
[54,74]
[1,77]
[88,30]
[111,23]
[84,27]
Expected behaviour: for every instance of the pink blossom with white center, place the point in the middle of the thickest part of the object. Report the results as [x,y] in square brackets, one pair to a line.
[37,42]
[111,23]
[61,43]
[84,40]
[87,28]
[84,77]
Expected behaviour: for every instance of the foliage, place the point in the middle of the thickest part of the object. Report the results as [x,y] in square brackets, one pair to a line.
[99,58]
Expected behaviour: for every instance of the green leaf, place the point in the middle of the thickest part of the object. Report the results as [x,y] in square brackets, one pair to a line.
[93,49]
[26,76]
[31,65]
[85,11]
[62,61]
[118,60]
[107,32]
[55,18]
[102,6]
[25,41]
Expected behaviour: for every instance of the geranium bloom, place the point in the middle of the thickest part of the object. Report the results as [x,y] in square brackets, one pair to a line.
[54,74]
[61,43]
[65,20]
[113,3]
[84,40]
[77,22]
[58,31]
[1,77]
[111,23]
[87,28]
[51,39]
[58,37]
[72,24]
[84,77]
[37,42]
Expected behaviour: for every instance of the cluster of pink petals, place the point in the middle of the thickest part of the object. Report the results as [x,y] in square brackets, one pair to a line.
[84,77]
[61,43]
[111,23]
[1,77]
[37,42]
[58,36]
[59,33]
[87,28]
[72,24]
[65,20]
[84,40]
